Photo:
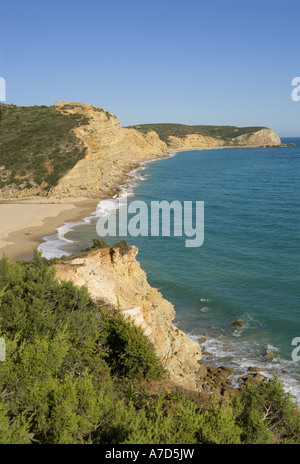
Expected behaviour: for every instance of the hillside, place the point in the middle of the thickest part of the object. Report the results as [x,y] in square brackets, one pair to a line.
[224,133]
[78,372]
[77,149]
[37,147]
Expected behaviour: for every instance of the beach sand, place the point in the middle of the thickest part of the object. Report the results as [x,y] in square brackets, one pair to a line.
[24,223]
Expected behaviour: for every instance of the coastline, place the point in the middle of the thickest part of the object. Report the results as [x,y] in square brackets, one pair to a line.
[55,213]
[20,215]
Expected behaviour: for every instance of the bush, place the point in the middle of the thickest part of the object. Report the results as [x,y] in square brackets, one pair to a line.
[267,414]
[165,130]
[55,383]
[129,354]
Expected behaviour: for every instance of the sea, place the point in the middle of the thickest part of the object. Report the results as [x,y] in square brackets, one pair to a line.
[247,268]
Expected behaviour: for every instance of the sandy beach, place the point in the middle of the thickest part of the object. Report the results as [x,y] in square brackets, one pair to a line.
[25,223]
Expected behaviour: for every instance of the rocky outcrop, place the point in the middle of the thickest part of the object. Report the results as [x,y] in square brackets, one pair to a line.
[194,141]
[117,280]
[260,138]
[111,152]
[263,137]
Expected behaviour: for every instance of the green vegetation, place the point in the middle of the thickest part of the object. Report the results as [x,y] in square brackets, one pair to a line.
[37,145]
[181,130]
[76,373]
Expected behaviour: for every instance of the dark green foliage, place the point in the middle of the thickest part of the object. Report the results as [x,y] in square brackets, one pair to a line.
[13,431]
[97,244]
[75,373]
[55,381]
[181,130]
[129,352]
[37,145]
[123,245]
[218,426]
[266,414]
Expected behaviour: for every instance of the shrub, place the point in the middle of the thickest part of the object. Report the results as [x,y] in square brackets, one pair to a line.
[218,426]
[267,414]
[129,354]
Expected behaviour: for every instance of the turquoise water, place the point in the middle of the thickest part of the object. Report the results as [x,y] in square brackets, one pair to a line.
[248,265]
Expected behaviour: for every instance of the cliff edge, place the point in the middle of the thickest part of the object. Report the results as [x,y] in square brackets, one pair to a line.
[112,151]
[118,281]
[80,150]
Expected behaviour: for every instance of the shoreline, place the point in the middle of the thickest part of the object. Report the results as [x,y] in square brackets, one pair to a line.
[16,245]
[74,210]
[35,220]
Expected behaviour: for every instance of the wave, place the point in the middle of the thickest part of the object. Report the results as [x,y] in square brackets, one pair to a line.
[221,349]
[57,245]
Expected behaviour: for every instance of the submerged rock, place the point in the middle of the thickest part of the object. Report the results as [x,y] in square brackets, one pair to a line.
[238,324]
[270,355]
[254,369]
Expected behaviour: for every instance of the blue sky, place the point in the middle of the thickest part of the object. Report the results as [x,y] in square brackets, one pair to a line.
[193,61]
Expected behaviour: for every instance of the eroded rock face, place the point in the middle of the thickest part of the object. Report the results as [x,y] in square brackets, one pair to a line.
[119,281]
[262,137]
[113,151]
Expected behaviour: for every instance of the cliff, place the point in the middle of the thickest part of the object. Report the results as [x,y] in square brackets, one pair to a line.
[260,138]
[263,137]
[119,282]
[81,150]
[111,152]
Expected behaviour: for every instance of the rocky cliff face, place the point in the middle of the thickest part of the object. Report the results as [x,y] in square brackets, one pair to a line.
[262,137]
[113,151]
[118,281]
[98,152]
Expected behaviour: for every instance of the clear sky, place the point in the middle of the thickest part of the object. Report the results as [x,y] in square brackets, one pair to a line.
[189,61]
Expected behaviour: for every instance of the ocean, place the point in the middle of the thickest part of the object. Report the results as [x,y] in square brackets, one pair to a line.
[248,266]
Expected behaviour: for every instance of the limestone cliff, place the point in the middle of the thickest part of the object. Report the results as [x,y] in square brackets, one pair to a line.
[80,150]
[263,137]
[113,151]
[118,281]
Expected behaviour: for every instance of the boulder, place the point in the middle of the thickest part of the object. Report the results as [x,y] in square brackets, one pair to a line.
[270,355]
[238,324]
